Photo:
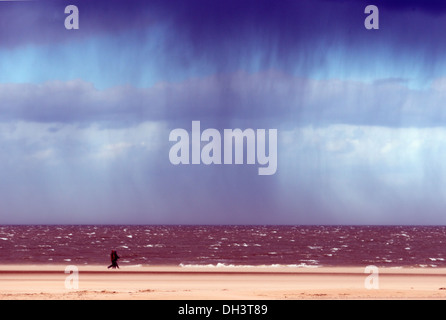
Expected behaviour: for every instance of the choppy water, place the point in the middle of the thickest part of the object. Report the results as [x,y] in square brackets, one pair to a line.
[423,246]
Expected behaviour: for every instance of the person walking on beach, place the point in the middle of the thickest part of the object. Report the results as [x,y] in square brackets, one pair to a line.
[114,260]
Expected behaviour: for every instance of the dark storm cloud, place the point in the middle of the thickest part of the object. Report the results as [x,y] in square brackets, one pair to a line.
[270,97]
[434,7]
[228,33]
[42,21]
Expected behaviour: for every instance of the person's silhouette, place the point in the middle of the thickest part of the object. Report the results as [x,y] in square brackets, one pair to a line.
[114,260]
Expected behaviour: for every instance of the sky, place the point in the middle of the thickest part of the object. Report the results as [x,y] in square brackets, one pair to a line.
[85,114]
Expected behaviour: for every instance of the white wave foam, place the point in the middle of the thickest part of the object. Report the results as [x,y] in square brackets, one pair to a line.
[224,265]
[436,259]
[134,266]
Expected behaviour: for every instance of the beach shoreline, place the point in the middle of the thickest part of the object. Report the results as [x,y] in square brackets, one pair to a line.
[95,282]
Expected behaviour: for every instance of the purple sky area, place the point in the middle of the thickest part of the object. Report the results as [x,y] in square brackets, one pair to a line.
[85,115]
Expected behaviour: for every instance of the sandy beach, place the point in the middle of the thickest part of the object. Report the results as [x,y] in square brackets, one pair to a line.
[225,283]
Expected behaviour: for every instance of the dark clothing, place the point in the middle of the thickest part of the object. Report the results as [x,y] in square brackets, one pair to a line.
[114,260]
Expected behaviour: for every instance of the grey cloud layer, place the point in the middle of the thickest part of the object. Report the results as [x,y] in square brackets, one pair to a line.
[272,97]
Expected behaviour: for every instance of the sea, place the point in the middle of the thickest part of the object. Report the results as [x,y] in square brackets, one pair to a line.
[225,245]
